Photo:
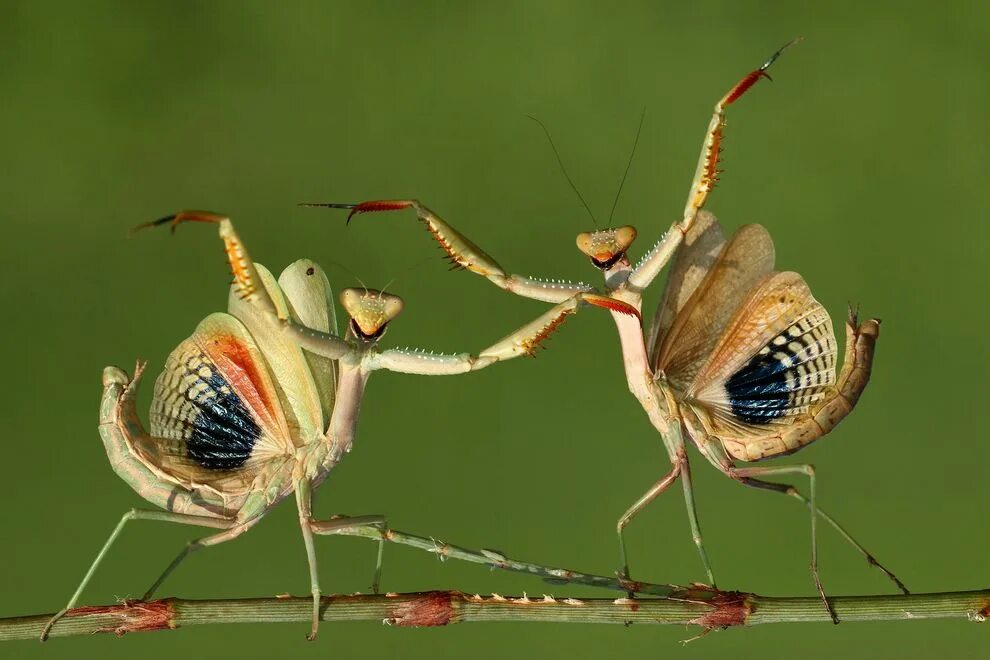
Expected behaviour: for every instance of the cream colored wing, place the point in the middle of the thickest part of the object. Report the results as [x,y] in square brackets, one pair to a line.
[310,299]
[290,370]
[695,258]
[775,360]
[216,418]
[703,318]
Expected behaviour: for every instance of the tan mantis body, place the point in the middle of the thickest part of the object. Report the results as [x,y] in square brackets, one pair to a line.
[725,316]
[263,402]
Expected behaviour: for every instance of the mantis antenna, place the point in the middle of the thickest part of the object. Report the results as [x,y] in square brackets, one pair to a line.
[628,165]
[564,169]
[350,272]
[405,271]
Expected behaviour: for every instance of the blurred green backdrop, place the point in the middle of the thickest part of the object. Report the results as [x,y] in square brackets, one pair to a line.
[866,160]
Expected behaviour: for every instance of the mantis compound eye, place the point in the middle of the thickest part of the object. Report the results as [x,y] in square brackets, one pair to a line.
[370,311]
[606,247]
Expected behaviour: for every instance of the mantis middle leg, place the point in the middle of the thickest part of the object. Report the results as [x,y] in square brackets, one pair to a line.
[681,468]
[347,525]
[304,502]
[309,527]
[640,504]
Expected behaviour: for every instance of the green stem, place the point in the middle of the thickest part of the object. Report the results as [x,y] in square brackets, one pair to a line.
[710,610]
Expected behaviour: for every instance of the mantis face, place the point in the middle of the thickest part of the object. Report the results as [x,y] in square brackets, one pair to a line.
[370,311]
[607,246]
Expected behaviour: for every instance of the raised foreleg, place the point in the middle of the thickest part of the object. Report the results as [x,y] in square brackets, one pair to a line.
[705,177]
[463,253]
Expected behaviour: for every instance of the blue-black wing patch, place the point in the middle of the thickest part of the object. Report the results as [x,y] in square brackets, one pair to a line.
[215,405]
[223,433]
[786,376]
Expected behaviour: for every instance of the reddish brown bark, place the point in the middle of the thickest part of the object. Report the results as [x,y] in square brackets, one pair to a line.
[133,616]
[432,608]
[730,608]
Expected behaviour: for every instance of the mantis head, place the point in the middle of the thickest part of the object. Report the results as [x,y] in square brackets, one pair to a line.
[607,246]
[370,311]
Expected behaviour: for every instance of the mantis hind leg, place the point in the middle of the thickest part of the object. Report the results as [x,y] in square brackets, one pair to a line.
[741,474]
[309,527]
[304,502]
[674,444]
[786,489]
[133,514]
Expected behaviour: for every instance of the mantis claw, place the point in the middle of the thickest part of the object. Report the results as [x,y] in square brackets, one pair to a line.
[613,304]
[328,205]
[754,76]
[364,207]
[177,219]
[154,223]
[773,58]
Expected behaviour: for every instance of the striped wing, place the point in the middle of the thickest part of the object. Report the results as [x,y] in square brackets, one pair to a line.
[216,417]
[703,318]
[775,359]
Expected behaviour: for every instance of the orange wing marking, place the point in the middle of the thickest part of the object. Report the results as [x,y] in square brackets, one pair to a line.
[244,375]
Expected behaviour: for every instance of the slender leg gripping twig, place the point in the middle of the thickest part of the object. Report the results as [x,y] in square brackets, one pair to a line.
[354,525]
[192,546]
[638,506]
[693,520]
[304,495]
[786,489]
[134,514]
[810,472]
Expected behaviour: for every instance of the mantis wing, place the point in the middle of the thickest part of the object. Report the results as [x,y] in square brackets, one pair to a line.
[310,301]
[775,359]
[216,418]
[290,371]
[699,252]
[703,318]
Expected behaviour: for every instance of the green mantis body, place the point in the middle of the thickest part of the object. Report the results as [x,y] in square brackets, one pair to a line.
[262,402]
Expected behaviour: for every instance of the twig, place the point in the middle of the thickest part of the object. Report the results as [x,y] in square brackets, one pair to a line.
[437,608]
[698,605]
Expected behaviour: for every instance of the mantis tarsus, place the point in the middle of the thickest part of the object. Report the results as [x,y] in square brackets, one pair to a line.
[261,402]
[738,357]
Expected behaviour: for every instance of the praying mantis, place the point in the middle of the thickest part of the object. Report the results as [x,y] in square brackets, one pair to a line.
[738,357]
[261,402]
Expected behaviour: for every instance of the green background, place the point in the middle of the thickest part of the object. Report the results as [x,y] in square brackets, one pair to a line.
[866,159]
